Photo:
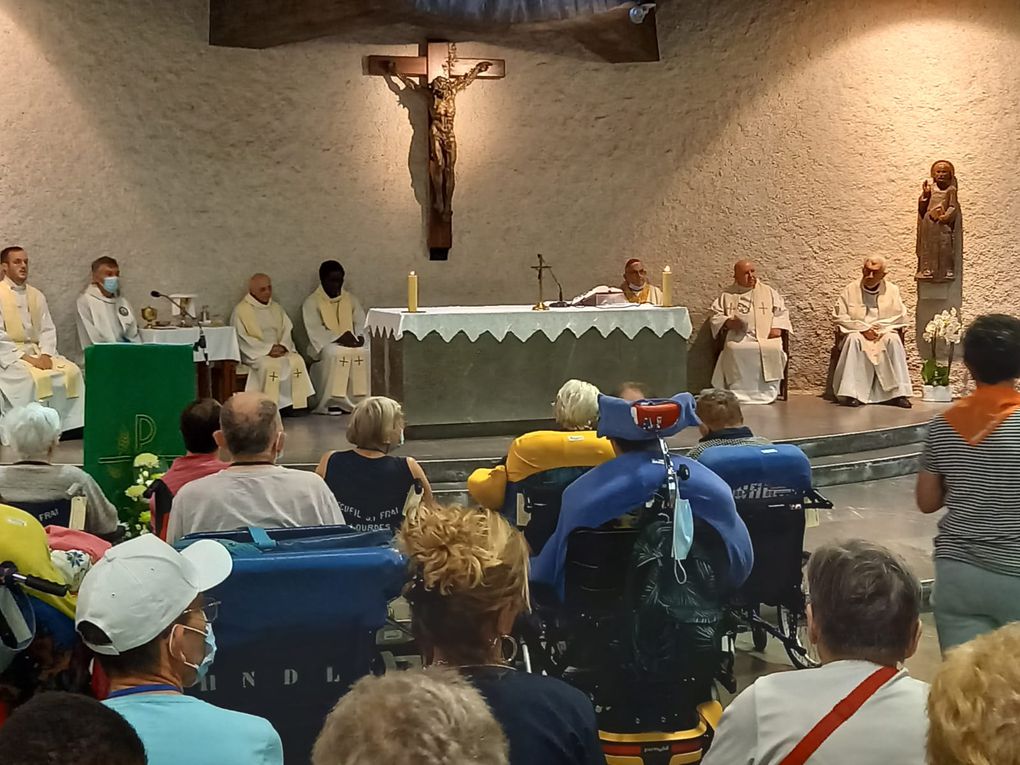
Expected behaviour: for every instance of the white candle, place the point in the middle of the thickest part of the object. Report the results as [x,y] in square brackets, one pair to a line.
[412,292]
[667,288]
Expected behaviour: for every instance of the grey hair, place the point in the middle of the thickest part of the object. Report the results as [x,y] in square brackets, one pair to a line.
[432,715]
[577,405]
[880,259]
[720,408]
[250,432]
[32,430]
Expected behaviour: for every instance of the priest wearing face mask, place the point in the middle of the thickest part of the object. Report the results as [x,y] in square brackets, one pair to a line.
[104,315]
[335,323]
[144,613]
[636,287]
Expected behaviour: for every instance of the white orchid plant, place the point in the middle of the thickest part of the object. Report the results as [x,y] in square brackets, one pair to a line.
[148,467]
[947,328]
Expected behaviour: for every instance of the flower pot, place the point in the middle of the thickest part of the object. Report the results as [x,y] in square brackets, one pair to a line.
[938,393]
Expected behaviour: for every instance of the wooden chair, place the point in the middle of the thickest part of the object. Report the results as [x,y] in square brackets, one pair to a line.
[784,385]
[837,349]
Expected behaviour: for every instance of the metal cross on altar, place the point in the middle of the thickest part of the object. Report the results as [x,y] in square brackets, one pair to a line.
[540,268]
[445,76]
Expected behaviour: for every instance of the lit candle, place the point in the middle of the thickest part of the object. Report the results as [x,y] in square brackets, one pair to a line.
[667,288]
[412,292]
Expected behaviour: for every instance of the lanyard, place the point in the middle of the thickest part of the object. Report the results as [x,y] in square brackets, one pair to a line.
[152,688]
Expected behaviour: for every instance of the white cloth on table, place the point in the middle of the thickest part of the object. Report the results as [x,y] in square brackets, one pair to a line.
[274,328]
[522,322]
[267,496]
[332,363]
[18,385]
[751,363]
[103,319]
[765,722]
[221,342]
[871,371]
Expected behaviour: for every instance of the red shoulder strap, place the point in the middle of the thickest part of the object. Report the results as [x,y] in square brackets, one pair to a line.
[840,713]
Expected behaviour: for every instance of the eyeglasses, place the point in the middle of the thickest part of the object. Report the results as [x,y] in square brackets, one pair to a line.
[210,611]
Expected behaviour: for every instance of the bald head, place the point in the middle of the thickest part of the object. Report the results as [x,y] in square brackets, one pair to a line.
[250,427]
[744,273]
[260,287]
[873,271]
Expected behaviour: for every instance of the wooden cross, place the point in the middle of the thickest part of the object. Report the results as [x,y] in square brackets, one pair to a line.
[445,76]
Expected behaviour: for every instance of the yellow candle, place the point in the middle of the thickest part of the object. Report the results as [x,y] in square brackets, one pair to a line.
[667,288]
[412,292]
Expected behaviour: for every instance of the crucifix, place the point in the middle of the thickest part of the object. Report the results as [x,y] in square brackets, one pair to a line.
[445,75]
[540,268]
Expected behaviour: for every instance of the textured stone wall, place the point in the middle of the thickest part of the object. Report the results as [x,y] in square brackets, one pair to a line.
[795,132]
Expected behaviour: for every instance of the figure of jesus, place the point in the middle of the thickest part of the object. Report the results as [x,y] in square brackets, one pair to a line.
[939,225]
[442,93]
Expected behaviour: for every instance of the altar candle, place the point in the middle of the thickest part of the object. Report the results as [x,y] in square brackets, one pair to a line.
[667,288]
[412,292]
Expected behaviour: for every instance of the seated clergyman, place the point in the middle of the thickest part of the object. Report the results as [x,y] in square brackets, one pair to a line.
[722,423]
[751,316]
[872,365]
[31,369]
[335,323]
[265,336]
[636,287]
[104,315]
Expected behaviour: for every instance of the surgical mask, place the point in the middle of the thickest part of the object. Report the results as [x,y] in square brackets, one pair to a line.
[209,641]
[401,441]
[111,284]
[635,287]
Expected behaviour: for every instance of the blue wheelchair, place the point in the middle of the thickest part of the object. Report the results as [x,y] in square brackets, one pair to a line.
[771,485]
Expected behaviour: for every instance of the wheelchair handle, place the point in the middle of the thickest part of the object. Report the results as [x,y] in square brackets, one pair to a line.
[815,501]
[9,575]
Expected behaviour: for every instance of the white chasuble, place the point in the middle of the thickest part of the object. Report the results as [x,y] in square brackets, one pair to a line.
[259,327]
[103,319]
[751,364]
[871,371]
[341,374]
[28,330]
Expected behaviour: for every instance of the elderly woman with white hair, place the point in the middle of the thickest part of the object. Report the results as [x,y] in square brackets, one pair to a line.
[33,431]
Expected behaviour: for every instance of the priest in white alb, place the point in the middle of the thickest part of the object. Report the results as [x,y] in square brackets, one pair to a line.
[872,366]
[30,367]
[752,317]
[265,336]
[104,315]
[335,323]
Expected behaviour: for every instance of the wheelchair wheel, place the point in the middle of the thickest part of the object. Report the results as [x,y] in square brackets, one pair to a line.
[802,653]
[760,638]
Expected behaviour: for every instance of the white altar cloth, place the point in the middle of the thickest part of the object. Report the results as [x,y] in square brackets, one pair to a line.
[522,322]
[221,342]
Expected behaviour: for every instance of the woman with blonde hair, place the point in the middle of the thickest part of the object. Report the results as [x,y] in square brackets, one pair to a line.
[372,486]
[470,583]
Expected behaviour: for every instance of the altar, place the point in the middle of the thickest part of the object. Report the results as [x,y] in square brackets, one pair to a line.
[485,370]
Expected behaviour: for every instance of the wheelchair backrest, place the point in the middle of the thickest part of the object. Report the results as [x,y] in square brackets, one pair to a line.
[779,472]
[534,503]
[54,512]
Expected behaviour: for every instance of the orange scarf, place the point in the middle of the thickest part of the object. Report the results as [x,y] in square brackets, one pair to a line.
[978,415]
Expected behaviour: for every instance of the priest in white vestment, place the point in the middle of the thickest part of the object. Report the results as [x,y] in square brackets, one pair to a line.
[636,287]
[104,315]
[30,367]
[872,365]
[265,336]
[752,317]
[335,323]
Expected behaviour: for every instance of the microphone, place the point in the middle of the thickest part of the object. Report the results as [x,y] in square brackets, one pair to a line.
[559,303]
[200,344]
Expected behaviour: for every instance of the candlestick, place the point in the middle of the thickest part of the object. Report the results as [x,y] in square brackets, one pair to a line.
[412,292]
[667,288]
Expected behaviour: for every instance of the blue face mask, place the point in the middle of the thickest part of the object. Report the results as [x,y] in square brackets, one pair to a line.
[401,442]
[202,669]
[111,284]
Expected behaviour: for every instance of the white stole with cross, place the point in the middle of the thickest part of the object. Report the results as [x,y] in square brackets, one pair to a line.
[756,308]
[247,315]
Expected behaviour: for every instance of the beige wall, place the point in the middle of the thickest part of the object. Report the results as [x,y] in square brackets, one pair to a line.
[796,132]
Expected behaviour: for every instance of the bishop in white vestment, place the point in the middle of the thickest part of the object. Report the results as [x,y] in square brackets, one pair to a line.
[104,315]
[265,336]
[335,323]
[30,367]
[752,315]
[872,366]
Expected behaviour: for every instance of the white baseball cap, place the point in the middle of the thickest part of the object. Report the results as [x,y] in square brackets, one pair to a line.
[140,587]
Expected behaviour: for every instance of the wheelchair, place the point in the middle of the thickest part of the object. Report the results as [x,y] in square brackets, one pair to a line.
[772,488]
[639,631]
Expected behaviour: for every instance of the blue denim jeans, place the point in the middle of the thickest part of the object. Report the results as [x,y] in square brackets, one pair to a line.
[969,601]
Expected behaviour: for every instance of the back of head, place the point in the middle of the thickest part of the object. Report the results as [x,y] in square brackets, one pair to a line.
[105,260]
[375,423]
[470,566]
[991,349]
[199,420]
[865,602]
[719,409]
[32,430]
[66,727]
[577,405]
[417,716]
[250,422]
[974,704]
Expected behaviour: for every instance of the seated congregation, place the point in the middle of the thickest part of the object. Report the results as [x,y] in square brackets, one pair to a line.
[581,613]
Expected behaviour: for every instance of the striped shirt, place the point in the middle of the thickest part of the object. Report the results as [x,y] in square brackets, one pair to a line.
[982,525]
[741,436]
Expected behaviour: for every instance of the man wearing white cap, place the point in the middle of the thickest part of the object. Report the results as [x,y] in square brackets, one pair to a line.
[142,611]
